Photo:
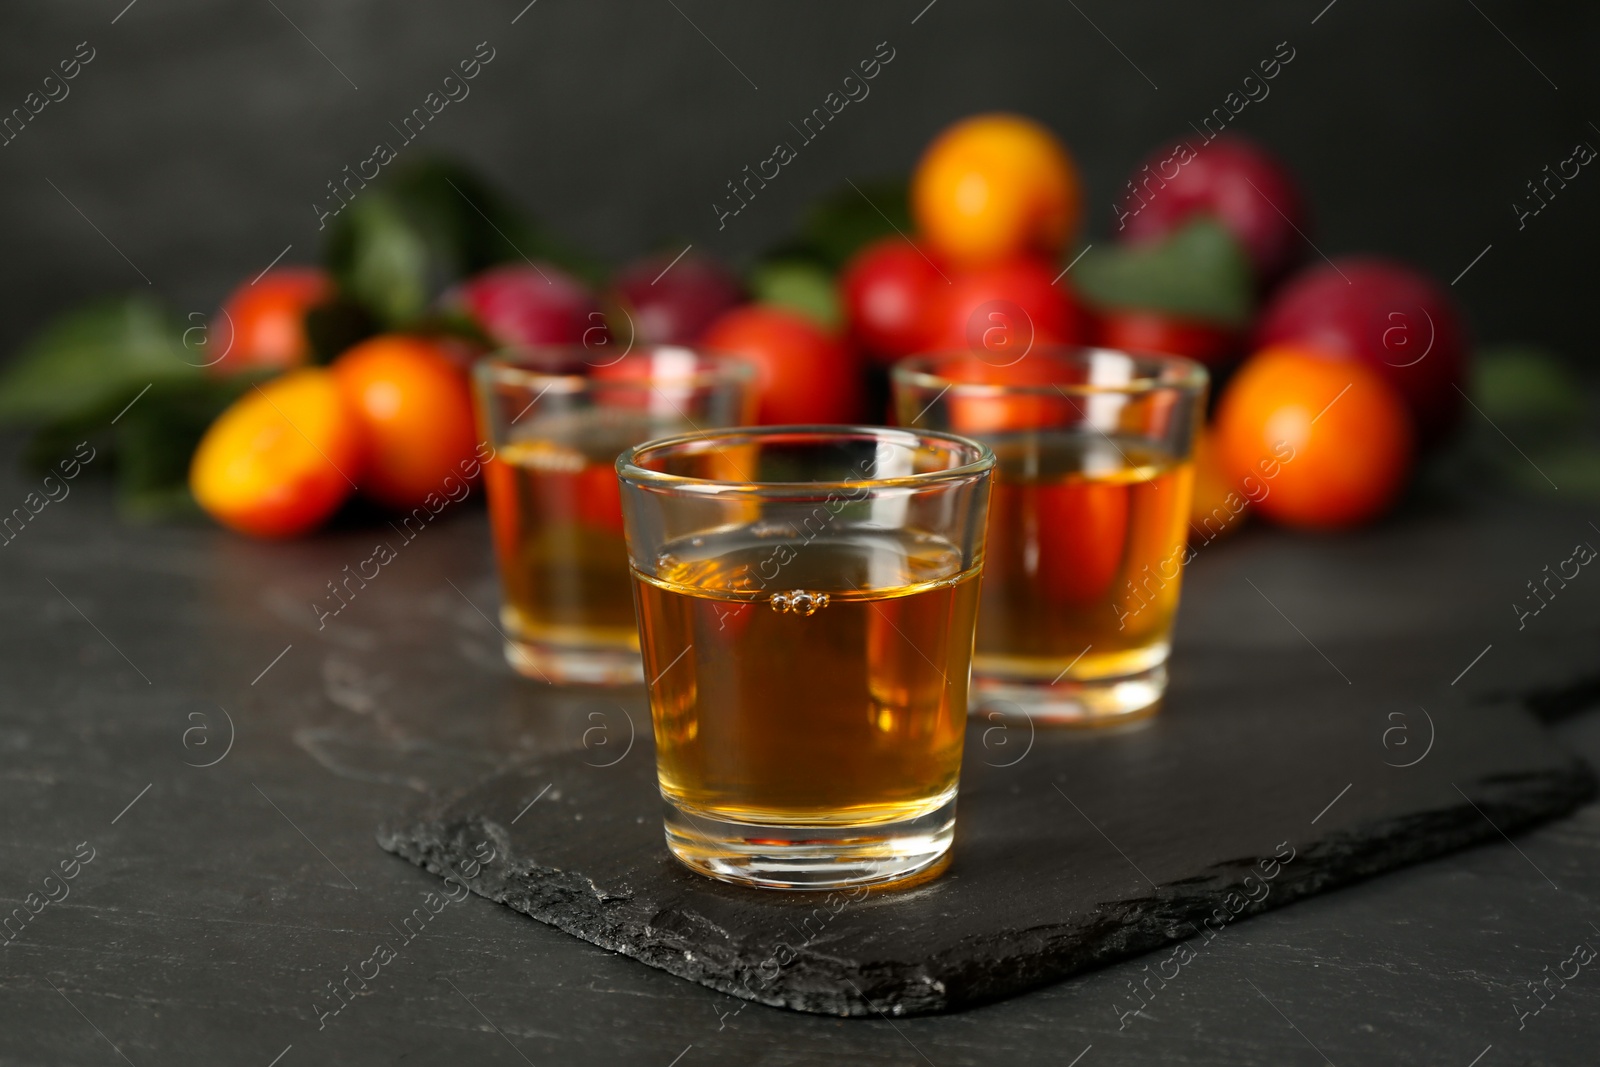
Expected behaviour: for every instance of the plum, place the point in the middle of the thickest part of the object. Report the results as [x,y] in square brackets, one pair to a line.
[673,303]
[263,323]
[530,304]
[1230,178]
[887,288]
[1001,311]
[804,374]
[1384,314]
[1142,330]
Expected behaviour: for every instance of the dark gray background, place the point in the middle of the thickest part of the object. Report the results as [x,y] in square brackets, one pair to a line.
[203,131]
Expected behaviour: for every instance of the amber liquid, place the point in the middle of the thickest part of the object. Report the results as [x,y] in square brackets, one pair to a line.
[556,511]
[850,714]
[1085,547]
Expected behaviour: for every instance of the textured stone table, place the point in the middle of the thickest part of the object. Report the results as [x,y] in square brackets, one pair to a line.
[221,900]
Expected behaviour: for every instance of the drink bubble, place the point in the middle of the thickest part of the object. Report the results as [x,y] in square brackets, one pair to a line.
[798,602]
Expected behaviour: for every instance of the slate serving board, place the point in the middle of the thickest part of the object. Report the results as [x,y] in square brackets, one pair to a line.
[1074,848]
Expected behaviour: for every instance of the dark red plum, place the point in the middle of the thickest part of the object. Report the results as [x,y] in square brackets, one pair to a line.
[527,304]
[1389,316]
[1232,179]
[673,303]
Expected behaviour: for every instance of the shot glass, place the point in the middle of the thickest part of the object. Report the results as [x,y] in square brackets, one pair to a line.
[557,420]
[806,600]
[1089,521]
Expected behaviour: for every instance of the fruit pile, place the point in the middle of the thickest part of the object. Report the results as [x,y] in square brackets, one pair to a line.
[1348,368]
[315,386]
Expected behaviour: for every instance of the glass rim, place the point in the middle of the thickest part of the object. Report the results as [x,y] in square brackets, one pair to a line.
[1167,372]
[535,366]
[629,471]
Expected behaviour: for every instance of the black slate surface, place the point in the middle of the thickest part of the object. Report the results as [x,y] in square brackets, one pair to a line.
[1074,848]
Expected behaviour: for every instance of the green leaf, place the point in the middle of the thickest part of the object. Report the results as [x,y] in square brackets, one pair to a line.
[1196,272]
[1575,467]
[1531,396]
[89,362]
[400,243]
[800,285]
[843,221]
[382,259]
[149,447]
[1525,385]
[156,440]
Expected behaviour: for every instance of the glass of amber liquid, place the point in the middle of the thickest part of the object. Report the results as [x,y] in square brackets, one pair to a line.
[557,419]
[1089,521]
[806,602]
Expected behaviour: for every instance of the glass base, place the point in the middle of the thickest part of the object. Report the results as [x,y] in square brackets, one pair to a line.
[811,857]
[575,665]
[1073,701]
